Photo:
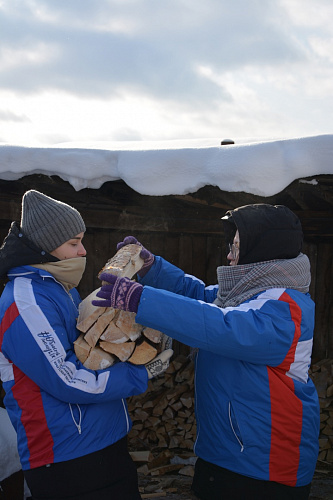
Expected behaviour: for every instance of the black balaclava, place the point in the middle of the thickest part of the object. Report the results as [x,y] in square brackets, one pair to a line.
[266,232]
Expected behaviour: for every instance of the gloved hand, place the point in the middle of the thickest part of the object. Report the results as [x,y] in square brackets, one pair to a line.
[159,364]
[147,256]
[121,293]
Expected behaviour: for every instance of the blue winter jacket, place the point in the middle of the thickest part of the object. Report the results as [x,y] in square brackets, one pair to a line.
[60,409]
[256,408]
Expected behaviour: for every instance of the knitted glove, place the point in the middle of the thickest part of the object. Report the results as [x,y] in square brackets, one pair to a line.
[121,293]
[147,256]
[159,364]
[166,342]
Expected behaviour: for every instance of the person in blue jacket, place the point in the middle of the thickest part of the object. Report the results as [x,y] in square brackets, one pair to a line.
[71,422]
[257,410]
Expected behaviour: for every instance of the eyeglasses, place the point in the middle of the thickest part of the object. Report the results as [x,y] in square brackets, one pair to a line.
[233,250]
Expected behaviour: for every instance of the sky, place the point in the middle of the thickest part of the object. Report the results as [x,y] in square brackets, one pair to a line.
[149,70]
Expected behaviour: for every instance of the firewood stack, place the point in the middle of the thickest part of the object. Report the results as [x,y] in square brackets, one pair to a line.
[110,335]
[163,418]
[322,376]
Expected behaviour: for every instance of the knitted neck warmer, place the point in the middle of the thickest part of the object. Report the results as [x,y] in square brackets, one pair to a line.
[68,272]
[239,283]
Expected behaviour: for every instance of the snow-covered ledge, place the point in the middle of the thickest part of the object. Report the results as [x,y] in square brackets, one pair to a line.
[176,167]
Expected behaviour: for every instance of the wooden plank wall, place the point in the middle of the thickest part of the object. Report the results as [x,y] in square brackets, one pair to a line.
[320,255]
[186,230]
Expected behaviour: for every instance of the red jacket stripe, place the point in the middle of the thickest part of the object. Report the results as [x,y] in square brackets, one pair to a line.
[10,315]
[38,435]
[286,418]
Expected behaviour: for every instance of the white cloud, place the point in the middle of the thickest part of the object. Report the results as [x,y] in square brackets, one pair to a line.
[322,47]
[309,13]
[13,58]
[182,68]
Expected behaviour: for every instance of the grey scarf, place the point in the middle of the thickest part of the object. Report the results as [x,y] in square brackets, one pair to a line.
[239,283]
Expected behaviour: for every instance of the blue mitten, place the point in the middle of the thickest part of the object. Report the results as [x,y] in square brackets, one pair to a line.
[120,293]
[147,256]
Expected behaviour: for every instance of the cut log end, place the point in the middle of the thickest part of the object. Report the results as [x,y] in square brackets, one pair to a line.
[143,353]
[125,263]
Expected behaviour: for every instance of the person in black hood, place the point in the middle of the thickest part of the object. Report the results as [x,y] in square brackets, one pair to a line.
[267,232]
[257,410]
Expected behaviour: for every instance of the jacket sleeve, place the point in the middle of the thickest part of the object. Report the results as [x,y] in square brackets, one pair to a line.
[38,343]
[261,330]
[166,276]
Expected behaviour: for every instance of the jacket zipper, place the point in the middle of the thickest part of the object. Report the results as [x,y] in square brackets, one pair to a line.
[77,424]
[233,429]
[126,414]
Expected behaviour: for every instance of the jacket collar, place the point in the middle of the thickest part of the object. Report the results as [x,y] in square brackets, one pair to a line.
[18,250]
[18,271]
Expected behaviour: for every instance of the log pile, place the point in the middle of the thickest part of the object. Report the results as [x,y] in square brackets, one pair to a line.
[110,335]
[164,421]
[322,376]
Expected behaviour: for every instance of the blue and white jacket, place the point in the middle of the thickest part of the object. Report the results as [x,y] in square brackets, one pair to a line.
[60,409]
[257,410]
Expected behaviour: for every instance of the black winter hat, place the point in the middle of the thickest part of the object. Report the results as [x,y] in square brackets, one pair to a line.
[266,232]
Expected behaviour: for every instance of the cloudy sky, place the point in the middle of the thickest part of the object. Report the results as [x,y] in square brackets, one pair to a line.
[119,70]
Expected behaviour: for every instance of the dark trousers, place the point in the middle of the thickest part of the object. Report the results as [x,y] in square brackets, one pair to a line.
[108,474]
[212,482]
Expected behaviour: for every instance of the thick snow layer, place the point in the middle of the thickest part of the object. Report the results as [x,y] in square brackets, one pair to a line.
[176,167]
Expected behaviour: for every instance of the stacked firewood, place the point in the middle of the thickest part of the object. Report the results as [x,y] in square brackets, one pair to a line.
[164,421]
[322,376]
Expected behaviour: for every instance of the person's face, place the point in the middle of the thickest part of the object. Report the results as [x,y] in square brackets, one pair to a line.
[70,249]
[233,255]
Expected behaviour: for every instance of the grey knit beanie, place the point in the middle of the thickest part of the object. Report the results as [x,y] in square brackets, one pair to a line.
[49,223]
